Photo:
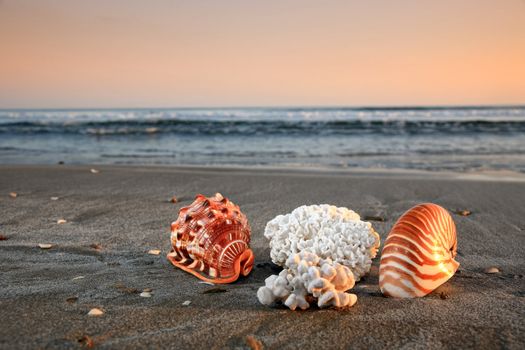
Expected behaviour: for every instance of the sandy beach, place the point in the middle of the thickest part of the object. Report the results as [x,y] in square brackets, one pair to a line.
[99,259]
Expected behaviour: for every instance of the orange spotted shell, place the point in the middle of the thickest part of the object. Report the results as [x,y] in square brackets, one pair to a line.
[211,240]
[419,252]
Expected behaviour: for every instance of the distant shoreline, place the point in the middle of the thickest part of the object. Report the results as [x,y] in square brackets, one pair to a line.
[399,173]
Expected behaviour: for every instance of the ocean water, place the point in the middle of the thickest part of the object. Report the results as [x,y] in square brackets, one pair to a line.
[458,139]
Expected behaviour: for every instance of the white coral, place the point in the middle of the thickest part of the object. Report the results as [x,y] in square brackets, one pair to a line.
[327,231]
[306,276]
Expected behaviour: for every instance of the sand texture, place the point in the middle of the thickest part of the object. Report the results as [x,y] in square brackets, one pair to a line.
[99,259]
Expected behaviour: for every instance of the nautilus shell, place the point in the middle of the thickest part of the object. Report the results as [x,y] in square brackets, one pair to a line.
[419,252]
[210,240]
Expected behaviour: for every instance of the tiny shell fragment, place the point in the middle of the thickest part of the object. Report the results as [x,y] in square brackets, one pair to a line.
[491,270]
[54,198]
[96,246]
[77,278]
[45,245]
[186,303]
[13,194]
[61,221]
[154,252]
[254,343]
[463,212]
[94,171]
[95,312]
[145,294]
[72,300]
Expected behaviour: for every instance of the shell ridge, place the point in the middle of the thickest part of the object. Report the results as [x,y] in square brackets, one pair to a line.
[411,237]
[395,250]
[422,250]
[406,277]
[438,226]
[410,228]
[409,268]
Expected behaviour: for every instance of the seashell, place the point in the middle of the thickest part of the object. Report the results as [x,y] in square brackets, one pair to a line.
[95,312]
[419,252]
[491,270]
[210,240]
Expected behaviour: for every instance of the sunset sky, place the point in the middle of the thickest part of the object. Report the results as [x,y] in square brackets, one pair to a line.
[109,53]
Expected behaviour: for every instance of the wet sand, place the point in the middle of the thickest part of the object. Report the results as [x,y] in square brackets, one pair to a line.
[126,211]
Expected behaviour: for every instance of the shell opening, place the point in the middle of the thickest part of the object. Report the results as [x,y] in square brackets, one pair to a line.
[245,262]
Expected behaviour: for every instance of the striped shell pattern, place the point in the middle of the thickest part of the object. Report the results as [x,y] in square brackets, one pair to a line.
[419,252]
[210,240]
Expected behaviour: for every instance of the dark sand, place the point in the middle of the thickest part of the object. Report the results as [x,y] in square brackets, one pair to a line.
[126,210]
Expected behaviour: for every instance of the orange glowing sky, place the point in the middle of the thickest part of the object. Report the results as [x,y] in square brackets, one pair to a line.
[109,53]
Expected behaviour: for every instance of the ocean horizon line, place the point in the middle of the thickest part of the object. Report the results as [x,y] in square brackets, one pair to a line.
[283,107]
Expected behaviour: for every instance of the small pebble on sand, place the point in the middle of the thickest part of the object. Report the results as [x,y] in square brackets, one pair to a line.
[45,245]
[154,252]
[86,341]
[96,246]
[13,194]
[174,199]
[463,212]
[186,303]
[444,295]
[61,221]
[3,238]
[54,198]
[145,294]
[491,270]
[128,290]
[95,312]
[94,171]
